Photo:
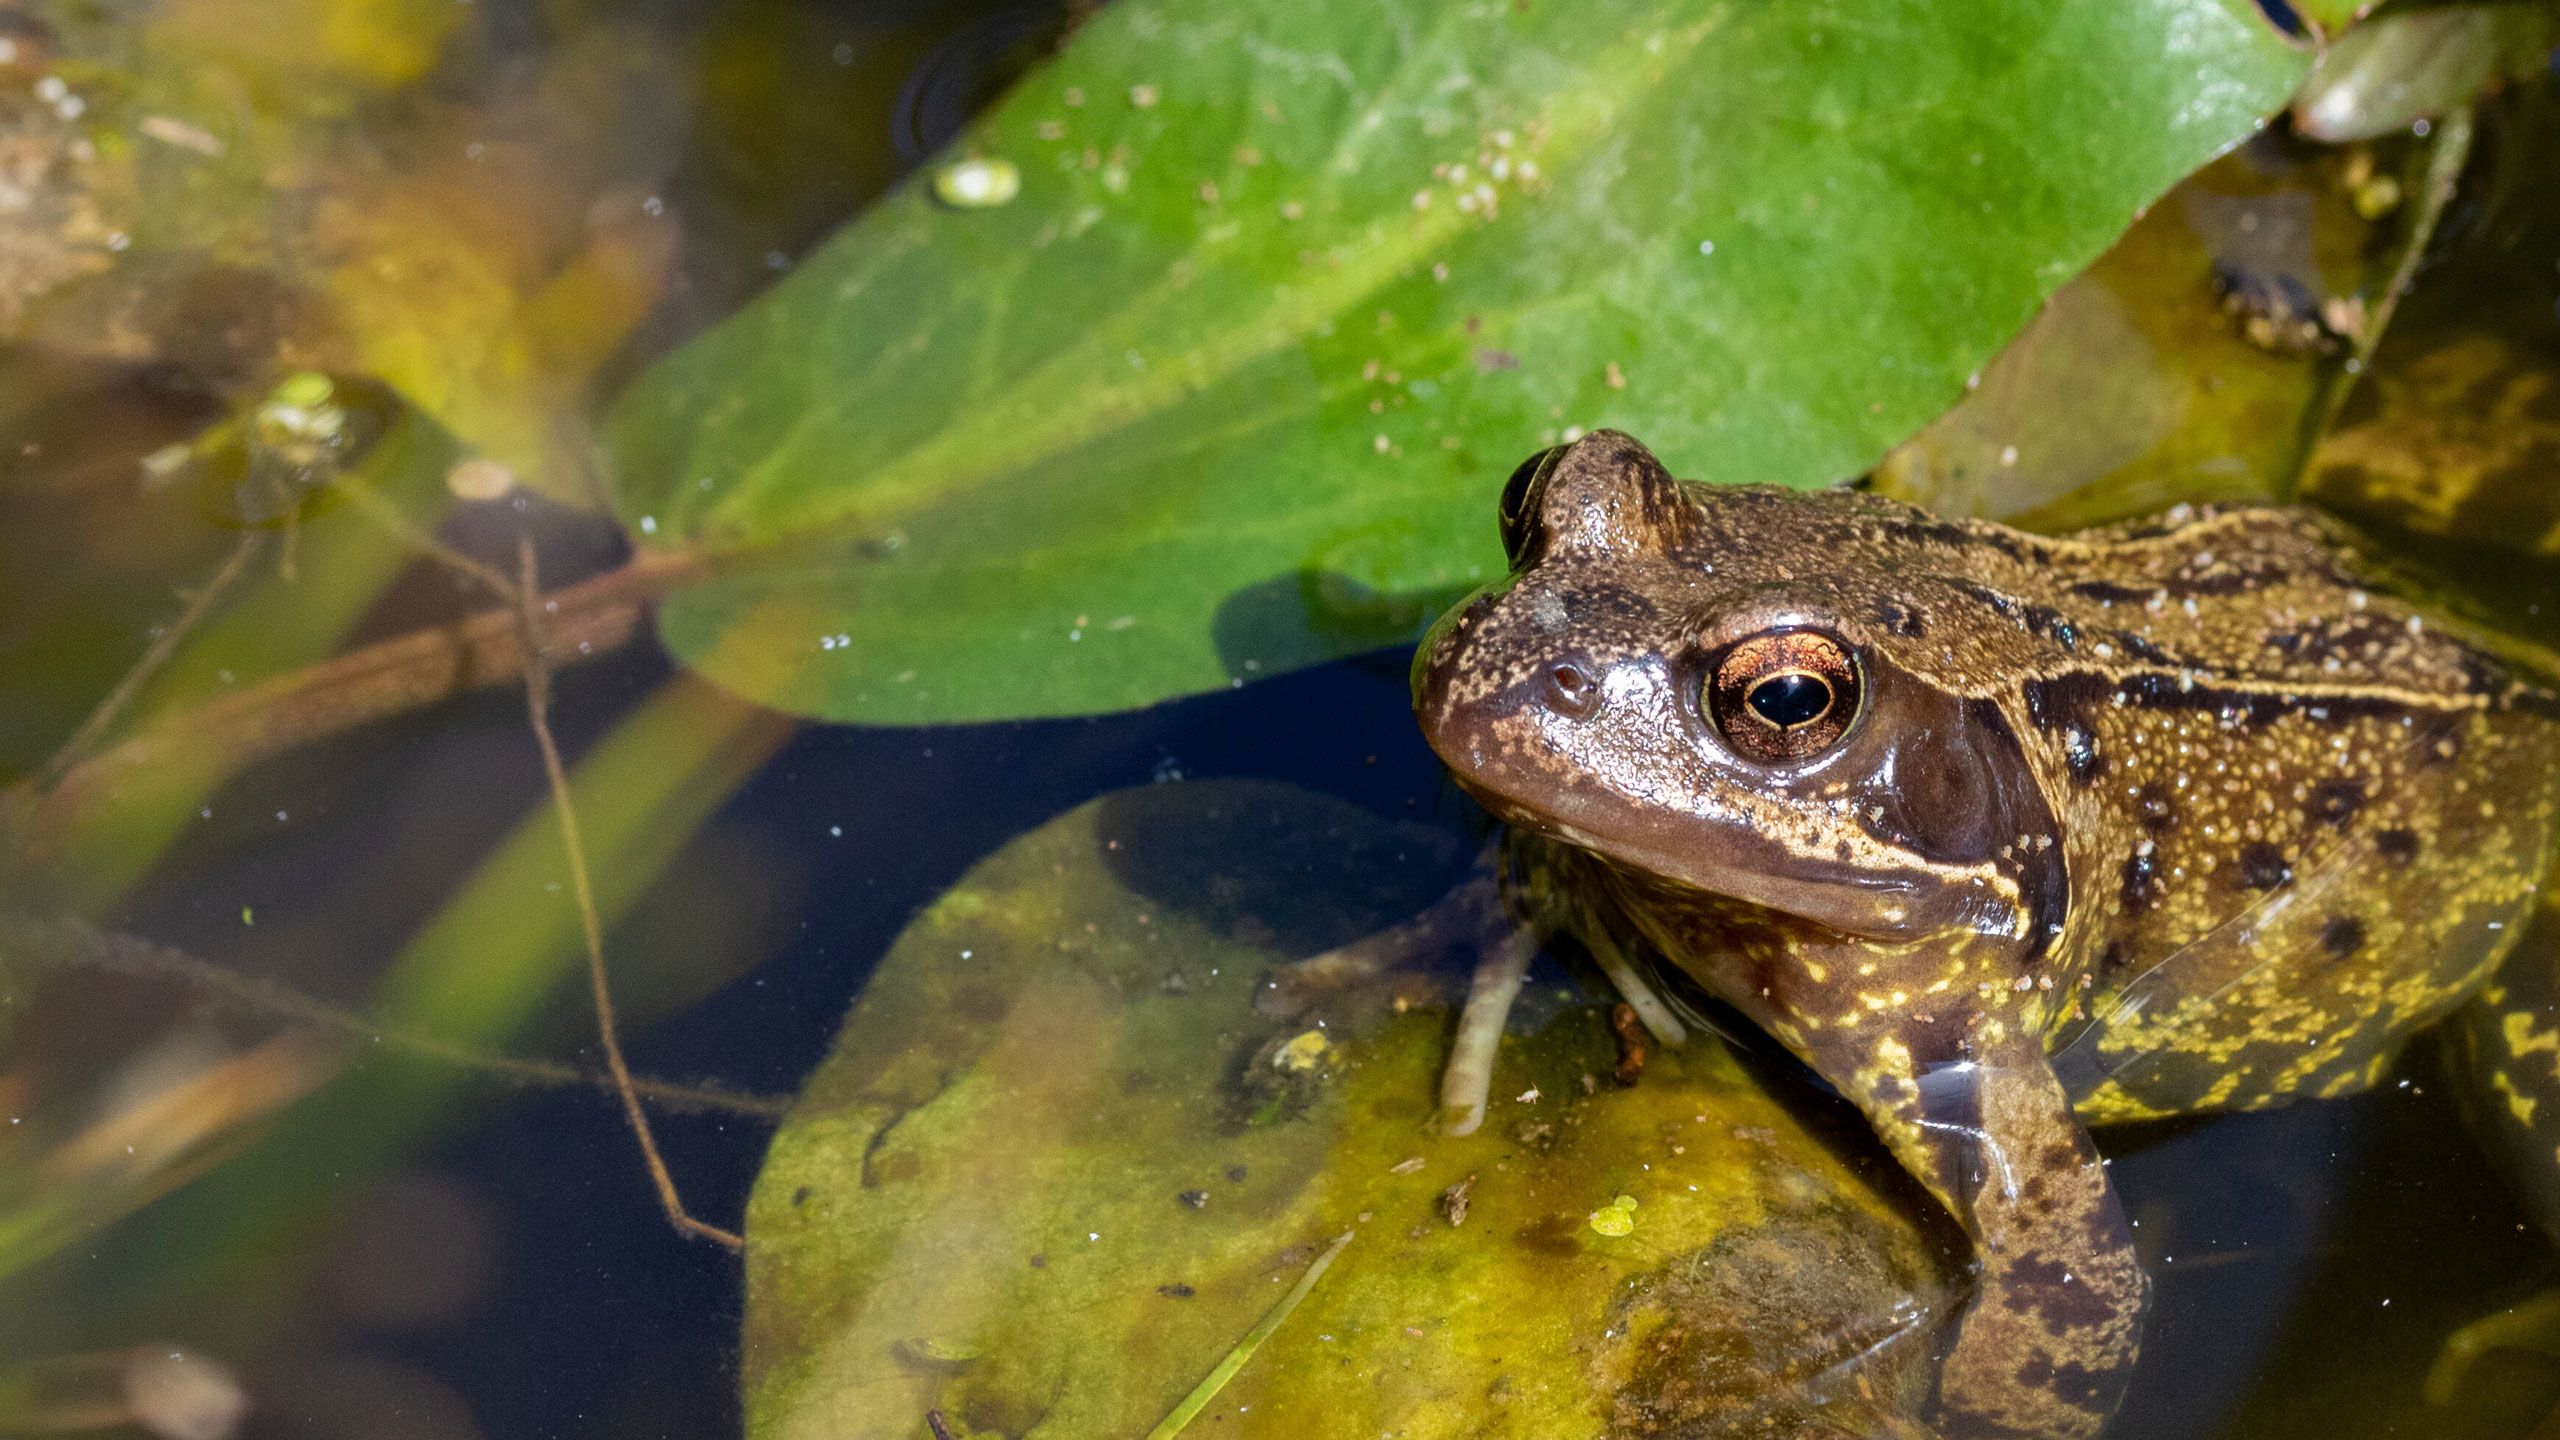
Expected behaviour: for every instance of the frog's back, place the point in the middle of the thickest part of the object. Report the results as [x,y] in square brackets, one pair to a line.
[2314,813]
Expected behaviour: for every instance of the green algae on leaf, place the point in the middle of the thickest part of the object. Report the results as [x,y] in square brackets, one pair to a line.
[1228,387]
[1040,1186]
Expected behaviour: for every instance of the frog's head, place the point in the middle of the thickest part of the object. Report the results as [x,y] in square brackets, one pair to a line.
[1723,687]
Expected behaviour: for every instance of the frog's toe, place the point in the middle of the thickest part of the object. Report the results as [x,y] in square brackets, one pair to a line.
[1469,916]
[1467,1084]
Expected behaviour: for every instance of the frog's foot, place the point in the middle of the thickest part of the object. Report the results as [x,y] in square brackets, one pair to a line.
[2530,1327]
[1469,917]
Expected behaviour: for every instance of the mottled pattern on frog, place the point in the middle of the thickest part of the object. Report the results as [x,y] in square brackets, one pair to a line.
[2248,735]
[2302,818]
[2192,805]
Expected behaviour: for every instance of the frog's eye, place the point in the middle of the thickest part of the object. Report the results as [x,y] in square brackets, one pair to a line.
[1785,695]
[1520,502]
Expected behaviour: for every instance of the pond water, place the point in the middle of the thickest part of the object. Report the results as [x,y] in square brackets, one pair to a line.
[296,1058]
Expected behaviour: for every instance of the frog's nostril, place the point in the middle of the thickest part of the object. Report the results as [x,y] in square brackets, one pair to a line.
[1572,689]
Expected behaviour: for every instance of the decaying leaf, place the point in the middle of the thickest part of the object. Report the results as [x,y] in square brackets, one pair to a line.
[1041,1186]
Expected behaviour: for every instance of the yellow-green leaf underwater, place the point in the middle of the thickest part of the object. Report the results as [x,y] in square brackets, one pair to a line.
[1059,1166]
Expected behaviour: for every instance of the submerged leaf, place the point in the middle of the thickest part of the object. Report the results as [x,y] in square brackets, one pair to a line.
[2198,359]
[1229,386]
[2416,64]
[1058,1167]
[203,202]
[2447,444]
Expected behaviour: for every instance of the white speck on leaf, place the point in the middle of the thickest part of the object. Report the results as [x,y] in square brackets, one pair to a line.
[980,182]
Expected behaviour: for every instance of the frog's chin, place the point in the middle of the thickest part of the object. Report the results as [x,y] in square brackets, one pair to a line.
[1733,863]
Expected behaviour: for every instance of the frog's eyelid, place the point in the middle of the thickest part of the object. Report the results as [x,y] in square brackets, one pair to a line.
[2078,1062]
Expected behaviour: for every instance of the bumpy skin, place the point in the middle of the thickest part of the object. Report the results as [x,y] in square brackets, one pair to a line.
[2162,818]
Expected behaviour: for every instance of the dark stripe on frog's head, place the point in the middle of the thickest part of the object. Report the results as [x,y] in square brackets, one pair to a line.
[2053,702]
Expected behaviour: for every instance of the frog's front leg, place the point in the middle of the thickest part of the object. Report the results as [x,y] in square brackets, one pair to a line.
[1476,917]
[1469,918]
[2050,1338]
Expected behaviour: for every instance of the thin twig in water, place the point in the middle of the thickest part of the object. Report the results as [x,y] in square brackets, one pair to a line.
[162,647]
[408,532]
[1207,1390]
[537,697]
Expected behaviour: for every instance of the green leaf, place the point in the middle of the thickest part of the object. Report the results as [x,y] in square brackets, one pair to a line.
[1232,383]
[2328,17]
[1058,1168]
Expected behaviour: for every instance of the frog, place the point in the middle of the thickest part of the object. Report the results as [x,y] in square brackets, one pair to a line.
[2004,836]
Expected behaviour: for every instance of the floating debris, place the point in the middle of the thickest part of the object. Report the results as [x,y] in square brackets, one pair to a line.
[1616,1218]
[1624,1023]
[1454,1201]
[485,479]
[1304,1051]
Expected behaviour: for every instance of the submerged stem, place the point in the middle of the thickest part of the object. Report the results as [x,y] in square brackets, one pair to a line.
[1467,1084]
[537,698]
[162,647]
[390,677]
[1207,1390]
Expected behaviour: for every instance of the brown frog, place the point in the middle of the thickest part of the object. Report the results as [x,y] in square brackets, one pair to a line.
[2002,833]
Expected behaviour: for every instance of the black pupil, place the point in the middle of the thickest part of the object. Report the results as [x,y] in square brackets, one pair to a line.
[1789,700]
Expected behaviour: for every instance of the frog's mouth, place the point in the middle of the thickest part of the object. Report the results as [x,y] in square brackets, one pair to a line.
[1735,863]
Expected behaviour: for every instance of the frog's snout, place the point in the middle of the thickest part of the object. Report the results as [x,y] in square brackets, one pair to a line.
[1492,684]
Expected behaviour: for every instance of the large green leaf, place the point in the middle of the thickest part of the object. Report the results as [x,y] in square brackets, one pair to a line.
[1231,384]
